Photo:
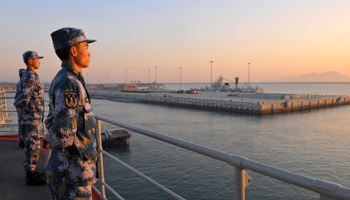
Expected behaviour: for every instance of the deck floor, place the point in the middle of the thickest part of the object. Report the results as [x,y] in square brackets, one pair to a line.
[13,183]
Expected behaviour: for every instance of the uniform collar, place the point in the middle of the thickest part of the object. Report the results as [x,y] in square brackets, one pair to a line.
[74,70]
[31,71]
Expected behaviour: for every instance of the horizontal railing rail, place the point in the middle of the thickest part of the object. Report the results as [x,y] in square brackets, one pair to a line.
[98,192]
[101,170]
[7,131]
[327,190]
[142,176]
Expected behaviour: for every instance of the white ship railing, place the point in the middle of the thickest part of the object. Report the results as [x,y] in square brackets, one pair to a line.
[327,190]
[3,106]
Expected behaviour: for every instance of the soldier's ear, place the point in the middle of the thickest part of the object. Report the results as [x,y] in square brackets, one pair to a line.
[30,61]
[73,51]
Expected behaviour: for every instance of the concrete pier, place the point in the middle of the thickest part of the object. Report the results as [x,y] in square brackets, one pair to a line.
[264,103]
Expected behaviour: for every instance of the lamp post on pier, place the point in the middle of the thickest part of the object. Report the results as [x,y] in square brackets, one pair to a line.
[106,78]
[126,76]
[211,76]
[87,78]
[148,77]
[180,77]
[248,77]
[155,77]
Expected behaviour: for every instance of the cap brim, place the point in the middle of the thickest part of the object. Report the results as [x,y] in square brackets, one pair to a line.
[39,57]
[90,41]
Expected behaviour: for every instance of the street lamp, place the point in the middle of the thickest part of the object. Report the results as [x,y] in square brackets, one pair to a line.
[148,77]
[126,76]
[106,78]
[180,77]
[211,76]
[248,77]
[87,78]
[155,77]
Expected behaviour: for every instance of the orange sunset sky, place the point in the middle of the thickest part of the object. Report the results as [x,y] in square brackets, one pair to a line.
[279,38]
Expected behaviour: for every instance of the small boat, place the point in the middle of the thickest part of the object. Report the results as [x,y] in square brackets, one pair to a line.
[115,138]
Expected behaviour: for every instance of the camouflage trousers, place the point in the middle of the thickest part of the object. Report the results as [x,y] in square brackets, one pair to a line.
[19,124]
[60,190]
[32,145]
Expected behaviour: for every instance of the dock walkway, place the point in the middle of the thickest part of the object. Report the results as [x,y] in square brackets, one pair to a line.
[13,183]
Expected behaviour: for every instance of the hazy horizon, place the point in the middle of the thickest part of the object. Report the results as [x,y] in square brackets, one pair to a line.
[279,39]
[326,77]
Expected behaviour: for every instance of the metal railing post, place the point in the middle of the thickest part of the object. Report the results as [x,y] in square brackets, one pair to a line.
[100,158]
[242,180]
[239,184]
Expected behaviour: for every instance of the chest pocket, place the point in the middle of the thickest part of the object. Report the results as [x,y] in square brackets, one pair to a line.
[89,120]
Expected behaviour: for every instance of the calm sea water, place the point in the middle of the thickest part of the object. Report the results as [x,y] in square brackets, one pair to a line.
[313,143]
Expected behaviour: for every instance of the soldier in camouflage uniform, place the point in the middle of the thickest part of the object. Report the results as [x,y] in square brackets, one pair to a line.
[18,91]
[72,165]
[31,102]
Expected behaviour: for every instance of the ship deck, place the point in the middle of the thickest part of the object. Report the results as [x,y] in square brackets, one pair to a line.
[13,183]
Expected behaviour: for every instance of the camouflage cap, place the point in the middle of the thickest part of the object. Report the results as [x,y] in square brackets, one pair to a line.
[30,55]
[66,37]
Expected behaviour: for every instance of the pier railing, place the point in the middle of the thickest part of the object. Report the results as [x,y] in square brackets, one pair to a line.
[327,190]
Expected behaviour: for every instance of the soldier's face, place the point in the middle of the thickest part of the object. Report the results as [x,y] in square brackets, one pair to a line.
[36,63]
[83,55]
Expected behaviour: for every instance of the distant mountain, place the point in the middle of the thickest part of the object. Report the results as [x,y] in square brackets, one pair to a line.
[316,77]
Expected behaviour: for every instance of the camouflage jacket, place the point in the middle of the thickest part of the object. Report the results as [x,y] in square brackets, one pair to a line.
[30,98]
[18,91]
[72,129]
[18,86]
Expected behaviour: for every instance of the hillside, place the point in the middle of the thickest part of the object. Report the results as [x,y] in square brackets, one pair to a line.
[330,76]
